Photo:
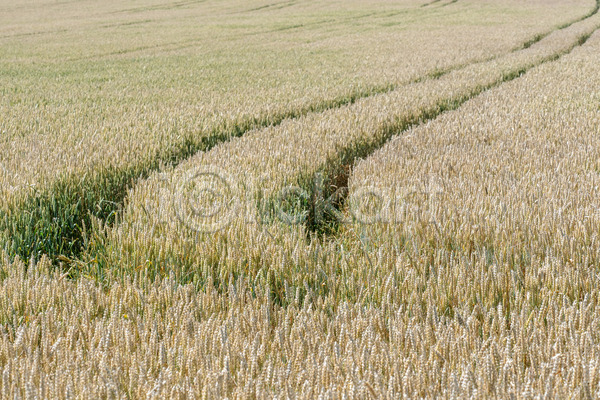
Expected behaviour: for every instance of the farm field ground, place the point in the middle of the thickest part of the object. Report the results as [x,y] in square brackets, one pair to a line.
[300,199]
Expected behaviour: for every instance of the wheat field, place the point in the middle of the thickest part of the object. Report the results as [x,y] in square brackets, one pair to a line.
[300,199]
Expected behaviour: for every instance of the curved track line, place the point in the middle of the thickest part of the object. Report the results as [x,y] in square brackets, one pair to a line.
[65,220]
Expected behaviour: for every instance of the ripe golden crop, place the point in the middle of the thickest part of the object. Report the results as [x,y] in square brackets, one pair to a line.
[300,199]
